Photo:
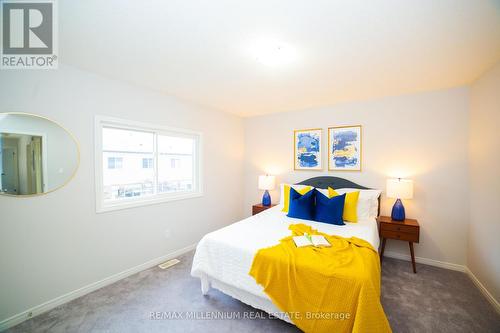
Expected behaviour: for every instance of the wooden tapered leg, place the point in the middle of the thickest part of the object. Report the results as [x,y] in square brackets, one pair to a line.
[412,257]
[382,249]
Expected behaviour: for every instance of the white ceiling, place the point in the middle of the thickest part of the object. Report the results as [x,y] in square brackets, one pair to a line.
[344,50]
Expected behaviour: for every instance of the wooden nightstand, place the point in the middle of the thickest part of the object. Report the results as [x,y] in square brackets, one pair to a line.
[256,209]
[407,230]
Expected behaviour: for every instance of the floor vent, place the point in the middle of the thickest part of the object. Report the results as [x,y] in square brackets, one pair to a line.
[168,264]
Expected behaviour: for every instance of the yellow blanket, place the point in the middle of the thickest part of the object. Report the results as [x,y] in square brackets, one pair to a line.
[331,289]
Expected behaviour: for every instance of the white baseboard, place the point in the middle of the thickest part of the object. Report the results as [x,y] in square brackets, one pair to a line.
[39,309]
[483,289]
[455,267]
[427,261]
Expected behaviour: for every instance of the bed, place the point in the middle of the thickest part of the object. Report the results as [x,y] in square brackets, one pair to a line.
[224,257]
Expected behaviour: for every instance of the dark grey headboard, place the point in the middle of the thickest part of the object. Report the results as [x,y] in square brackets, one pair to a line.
[334,182]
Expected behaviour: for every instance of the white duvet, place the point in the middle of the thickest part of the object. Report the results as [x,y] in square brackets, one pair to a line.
[227,254]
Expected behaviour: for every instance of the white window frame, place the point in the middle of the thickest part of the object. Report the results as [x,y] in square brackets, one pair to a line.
[102,206]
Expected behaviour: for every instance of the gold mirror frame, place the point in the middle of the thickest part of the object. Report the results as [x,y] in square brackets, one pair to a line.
[70,178]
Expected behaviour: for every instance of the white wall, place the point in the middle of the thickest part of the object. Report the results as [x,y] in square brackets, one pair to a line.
[56,243]
[422,137]
[484,152]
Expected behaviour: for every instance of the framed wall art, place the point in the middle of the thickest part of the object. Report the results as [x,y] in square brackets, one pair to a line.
[307,149]
[344,148]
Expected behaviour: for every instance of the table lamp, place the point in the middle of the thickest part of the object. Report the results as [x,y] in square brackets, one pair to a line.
[399,189]
[266,183]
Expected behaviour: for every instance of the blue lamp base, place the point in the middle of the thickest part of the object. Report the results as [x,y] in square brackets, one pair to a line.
[266,199]
[398,211]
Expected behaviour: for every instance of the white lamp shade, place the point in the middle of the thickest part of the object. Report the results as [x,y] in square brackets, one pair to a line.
[266,182]
[399,188]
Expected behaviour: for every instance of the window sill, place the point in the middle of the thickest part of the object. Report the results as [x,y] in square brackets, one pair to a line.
[103,208]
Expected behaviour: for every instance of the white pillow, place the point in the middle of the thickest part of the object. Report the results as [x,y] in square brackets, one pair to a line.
[324,191]
[365,195]
[295,187]
[367,201]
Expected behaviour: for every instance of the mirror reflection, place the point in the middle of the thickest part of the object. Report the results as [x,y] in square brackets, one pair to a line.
[36,155]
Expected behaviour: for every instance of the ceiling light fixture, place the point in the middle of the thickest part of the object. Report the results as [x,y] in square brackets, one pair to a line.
[274,53]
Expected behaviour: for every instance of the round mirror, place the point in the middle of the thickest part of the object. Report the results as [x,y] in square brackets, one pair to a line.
[37,155]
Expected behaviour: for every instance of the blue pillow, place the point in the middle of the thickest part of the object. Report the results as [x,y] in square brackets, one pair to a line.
[329,210]
[301,206]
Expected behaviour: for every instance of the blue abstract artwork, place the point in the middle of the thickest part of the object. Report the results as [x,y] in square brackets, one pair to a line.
[308,149]
[344,148]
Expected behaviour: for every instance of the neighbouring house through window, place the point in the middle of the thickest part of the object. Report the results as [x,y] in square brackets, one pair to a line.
[145,163]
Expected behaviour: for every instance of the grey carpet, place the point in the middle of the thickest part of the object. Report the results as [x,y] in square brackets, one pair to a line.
[433,300]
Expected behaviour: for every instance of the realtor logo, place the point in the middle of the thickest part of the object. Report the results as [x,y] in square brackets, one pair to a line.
[28,34]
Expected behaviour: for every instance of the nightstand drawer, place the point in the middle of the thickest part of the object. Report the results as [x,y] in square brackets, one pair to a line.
[407,230]
[256,209]
[410,237]
[399,228]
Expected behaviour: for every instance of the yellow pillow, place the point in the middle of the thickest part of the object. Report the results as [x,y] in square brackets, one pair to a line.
[286,194]
[350,205]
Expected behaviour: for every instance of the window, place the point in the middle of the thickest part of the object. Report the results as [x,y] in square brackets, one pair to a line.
[147,163]
[138,164]
[115,162]
[174,162]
